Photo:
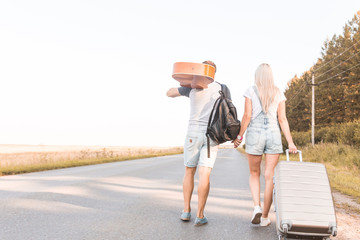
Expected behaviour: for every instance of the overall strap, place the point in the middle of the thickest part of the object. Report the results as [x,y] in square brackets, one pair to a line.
[262,110]
[257,94]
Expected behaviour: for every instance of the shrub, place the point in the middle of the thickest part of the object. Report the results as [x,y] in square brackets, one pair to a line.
[342,133]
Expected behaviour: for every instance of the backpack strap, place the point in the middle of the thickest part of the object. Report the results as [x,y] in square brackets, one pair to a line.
[225,90]
[209,122]
[224,93]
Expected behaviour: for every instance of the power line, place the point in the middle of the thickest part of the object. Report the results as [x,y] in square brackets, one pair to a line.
[339,64]
[306,82]
[297,105]
[328,79]
[301,88]
[335,57]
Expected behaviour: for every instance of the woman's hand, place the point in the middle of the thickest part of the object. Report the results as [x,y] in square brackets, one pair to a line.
[292,148]
[237,141]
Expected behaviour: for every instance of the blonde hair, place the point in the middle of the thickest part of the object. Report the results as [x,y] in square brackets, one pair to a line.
[264,81]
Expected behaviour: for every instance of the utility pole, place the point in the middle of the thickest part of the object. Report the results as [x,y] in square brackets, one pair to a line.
[313,110]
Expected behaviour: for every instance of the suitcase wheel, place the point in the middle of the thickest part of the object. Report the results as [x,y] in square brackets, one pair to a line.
[333,231]
[285,228]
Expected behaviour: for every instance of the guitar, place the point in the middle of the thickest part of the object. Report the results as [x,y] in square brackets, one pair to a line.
[193,75]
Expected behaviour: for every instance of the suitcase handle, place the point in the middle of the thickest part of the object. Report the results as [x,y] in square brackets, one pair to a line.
[287,155]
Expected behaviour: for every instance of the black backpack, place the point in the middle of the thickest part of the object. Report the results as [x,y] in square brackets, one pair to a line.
[224,126]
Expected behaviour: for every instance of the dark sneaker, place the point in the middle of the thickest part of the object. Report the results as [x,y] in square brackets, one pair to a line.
[200,221]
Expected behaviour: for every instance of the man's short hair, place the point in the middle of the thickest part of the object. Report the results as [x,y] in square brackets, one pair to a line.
[210,63]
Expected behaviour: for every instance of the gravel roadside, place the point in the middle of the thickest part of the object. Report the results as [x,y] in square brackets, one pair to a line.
[348,217]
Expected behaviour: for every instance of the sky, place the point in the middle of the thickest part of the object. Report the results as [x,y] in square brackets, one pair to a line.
[96,72]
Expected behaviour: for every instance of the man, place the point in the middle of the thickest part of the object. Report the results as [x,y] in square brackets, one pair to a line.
[195,147]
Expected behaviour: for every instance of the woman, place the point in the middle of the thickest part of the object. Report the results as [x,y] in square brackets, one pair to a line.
[264,112]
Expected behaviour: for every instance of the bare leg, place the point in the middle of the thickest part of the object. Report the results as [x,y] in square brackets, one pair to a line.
[203,189]
[188,187]
[270,163]
[254,179]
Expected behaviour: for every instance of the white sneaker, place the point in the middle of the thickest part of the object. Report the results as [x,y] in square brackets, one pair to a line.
[256,215]
[265,222]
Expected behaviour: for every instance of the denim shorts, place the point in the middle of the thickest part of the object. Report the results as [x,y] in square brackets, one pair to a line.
[195,150]
[263,136]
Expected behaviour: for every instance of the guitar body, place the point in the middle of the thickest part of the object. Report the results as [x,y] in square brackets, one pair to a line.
[193,75]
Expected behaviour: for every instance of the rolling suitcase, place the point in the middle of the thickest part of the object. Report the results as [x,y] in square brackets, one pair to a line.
[303,201]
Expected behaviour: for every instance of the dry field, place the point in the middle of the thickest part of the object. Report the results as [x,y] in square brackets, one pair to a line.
[26,158]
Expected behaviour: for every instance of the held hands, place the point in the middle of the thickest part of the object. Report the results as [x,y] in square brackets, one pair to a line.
[237,141]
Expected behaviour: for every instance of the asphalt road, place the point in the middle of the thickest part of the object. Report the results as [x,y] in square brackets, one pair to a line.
[139,199]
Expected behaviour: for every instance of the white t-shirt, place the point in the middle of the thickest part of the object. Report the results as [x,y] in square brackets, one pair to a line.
[201,104]
[256,105]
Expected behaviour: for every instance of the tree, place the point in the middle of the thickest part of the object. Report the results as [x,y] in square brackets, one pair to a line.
[337,72]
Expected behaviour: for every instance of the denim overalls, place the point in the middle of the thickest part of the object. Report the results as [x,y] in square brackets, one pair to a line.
[263,135]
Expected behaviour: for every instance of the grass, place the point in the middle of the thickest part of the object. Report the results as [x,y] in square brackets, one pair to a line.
[25,162]
[342,163]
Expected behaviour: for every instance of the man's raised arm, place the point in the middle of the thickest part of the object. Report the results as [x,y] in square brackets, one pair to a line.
[173,92]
